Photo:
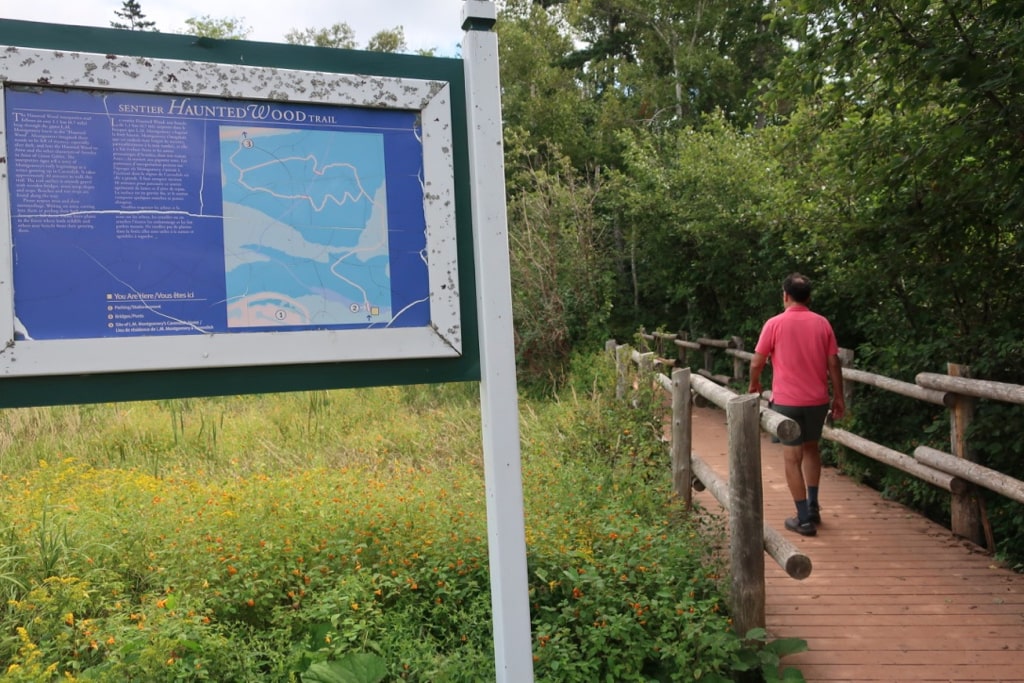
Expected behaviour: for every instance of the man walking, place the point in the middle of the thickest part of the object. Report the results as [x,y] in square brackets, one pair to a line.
[804,357]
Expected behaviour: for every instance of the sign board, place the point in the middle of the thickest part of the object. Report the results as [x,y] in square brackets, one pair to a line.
[167,209]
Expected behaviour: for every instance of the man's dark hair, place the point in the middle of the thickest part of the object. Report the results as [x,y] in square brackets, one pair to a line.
[798,287]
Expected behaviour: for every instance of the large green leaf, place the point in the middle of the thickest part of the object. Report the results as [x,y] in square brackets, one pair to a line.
[352,668]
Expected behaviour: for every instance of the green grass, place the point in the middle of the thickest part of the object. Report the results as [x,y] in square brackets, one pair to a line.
[343,536]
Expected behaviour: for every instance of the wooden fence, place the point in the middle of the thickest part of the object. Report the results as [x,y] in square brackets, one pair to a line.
[956,471]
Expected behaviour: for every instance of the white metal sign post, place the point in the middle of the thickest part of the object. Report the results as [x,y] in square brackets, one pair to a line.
[498,392]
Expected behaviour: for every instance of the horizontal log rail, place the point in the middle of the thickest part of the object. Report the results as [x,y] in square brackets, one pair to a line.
[717,343]
[684,344]
[673,338]
[742,355]
[972,472]
[978,388]
[795,563]
[720,379]
[897,387]
[777,424]
[774,423]
[893,458]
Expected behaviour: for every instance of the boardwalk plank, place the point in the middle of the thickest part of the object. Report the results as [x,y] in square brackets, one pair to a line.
[922,658]
[941,673]
[922,605]
[905,619]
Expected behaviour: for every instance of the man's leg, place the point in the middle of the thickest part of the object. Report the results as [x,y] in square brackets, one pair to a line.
[795,480]
[810,464]
[797,454]
[811,468]
[794,456]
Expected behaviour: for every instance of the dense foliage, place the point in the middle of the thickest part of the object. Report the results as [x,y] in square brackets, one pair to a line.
[669,162]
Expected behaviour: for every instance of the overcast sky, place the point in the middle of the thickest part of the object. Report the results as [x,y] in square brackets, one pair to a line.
[427,23]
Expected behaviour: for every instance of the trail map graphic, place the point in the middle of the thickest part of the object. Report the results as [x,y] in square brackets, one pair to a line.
[305,227]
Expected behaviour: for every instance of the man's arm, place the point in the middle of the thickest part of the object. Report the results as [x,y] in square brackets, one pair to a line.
[757,364]
[835,373]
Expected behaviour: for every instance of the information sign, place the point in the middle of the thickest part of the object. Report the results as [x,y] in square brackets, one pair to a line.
[172,214]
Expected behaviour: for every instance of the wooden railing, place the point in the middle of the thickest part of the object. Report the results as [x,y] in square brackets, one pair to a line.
[742,495]
[956,472]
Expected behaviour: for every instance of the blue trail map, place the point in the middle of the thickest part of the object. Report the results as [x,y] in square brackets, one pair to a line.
[305,227]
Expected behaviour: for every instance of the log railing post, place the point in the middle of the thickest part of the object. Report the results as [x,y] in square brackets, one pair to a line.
[682,436]
[739,366]
[965,512]
[647,365]
[645,374]
[746,513]
[846,360]
[622,354]
[681,350]
[642,339]
[660,346]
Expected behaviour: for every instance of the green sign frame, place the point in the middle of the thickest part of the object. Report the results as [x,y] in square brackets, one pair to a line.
[18,391]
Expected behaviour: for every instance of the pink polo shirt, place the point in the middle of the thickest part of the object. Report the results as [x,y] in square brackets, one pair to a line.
[799,343]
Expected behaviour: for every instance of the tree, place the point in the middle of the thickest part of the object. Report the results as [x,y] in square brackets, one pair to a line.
[133,18]
[563,294]
[342,36]
[227,28]
[673,61]
[705,217]
[339,35]
[541,99]
[392,40]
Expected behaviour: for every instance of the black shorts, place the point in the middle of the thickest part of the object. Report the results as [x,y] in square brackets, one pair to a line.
[810,418]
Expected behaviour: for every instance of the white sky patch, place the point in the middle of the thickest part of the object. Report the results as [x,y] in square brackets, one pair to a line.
[428,24]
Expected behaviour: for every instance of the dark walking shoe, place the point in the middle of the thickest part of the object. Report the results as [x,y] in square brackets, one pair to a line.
[802,528]
[814,513]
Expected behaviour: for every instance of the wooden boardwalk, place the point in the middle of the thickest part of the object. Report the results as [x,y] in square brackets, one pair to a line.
[892,596]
